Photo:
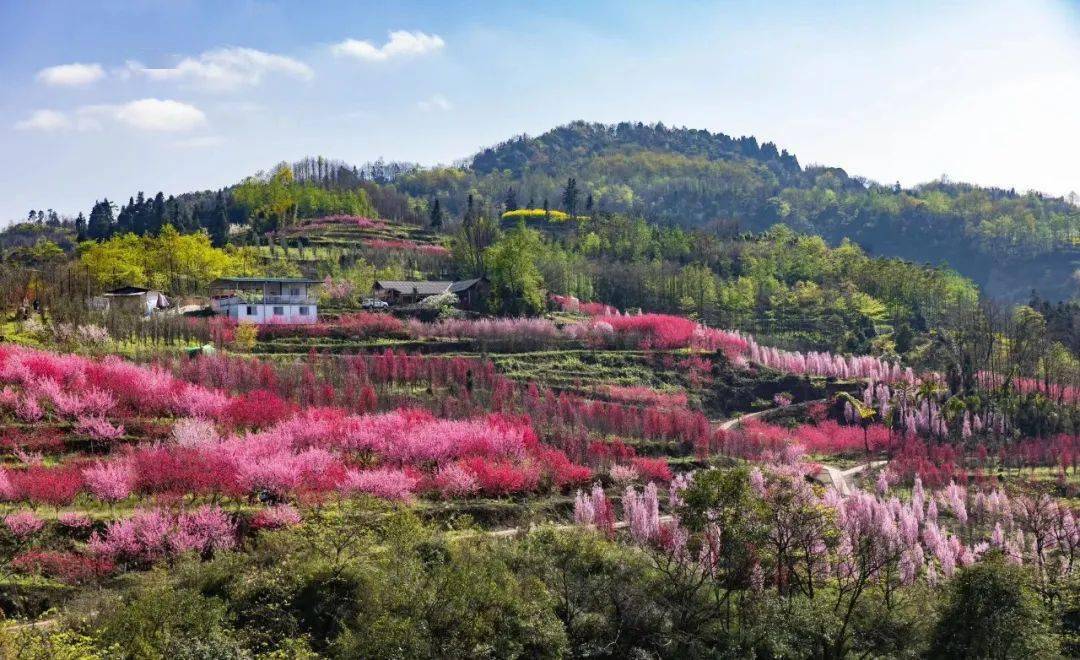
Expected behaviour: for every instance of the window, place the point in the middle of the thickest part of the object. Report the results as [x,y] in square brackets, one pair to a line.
[303,311]
[279,311]
[251,310]
[295,291]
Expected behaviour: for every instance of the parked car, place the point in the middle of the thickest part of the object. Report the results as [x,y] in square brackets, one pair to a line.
[373,303]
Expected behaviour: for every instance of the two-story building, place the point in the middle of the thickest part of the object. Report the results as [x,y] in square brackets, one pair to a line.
[266,299]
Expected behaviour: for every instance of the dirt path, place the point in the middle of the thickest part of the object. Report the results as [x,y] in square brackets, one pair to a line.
[511,531]
[42,623]
[735,421]
[839,478]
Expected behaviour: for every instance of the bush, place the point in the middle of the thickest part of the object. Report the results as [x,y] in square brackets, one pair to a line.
[992,613]
[162,620]
[245,336]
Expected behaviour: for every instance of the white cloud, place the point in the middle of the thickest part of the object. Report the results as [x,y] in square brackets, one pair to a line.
[71,75]
[436,102]
[145,114]
[402,43]
[159,115]
[226,69]
[44,120]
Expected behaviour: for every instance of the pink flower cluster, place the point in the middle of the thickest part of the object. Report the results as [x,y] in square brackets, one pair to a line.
[827,364]
[358,325]
[87,390]
[311,453]
[24,524]
[337,289]
[155,534]
[875,537]
[644,395]
[407,245]
[516,332]
[572,304]
[276,517]
[357,221]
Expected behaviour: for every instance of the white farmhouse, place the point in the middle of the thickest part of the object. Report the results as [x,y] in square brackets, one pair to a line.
[266,299]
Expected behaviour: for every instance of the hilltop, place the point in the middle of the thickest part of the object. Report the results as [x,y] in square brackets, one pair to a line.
[1008,242]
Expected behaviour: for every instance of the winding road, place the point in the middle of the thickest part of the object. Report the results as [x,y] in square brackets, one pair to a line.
[839,478]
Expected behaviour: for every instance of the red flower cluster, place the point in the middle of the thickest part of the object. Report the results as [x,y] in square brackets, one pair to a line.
[64,566]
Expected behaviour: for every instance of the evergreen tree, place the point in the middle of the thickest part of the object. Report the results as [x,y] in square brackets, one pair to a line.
[156,215]
[436,214]
[470,214]
[511,203]
[217,224]
[80,227]
[140,215]
[125,221]
[100,225]
[570,196]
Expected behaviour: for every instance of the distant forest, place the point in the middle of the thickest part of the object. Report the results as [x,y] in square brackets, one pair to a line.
[1010,243]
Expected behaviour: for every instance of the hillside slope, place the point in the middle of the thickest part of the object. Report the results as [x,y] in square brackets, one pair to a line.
[1009,242]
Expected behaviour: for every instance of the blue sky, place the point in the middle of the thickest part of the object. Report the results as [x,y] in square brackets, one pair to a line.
[108,98]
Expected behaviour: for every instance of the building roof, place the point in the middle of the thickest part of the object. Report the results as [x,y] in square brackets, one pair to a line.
[127,291]
[465,285]
[426,287]
[264,280]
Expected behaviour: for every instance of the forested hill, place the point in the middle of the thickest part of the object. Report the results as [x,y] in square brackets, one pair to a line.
[1009,242]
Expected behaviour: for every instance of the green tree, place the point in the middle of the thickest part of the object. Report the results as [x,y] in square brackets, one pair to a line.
[992,613]
[435,215]
[471,243]
[99,227]
[570,196]
[517,287]
[80,228]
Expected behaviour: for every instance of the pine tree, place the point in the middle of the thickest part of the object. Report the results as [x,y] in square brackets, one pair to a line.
[470,214]
[217,224]
[140,214]
[511,199]
[156,215]
[100,225]
[570,196]
[80,227]
[436,214]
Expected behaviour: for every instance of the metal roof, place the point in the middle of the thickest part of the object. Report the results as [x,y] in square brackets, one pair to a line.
[464,285]
[264,280]
[127,291]
[426,288]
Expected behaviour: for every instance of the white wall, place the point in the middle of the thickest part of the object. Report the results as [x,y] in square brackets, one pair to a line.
[265,313]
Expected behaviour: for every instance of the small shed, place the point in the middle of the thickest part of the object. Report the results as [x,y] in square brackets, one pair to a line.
[134,300]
